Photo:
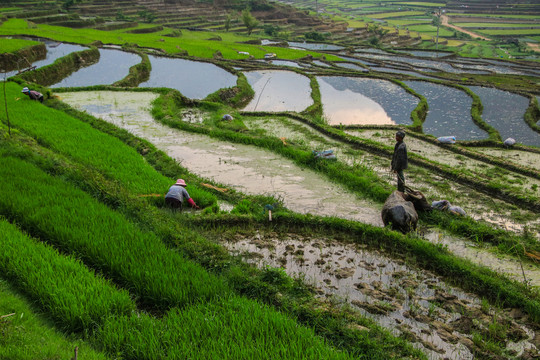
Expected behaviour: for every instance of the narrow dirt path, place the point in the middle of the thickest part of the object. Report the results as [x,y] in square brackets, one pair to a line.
[534,46]
[445,22]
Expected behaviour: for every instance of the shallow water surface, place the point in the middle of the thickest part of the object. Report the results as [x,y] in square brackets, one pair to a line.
[348,100]
[194,79]
[245,168]
[113,65]
[394,294]
[504,111]
[449,111]
[314,46]
[55,51]
[277,90]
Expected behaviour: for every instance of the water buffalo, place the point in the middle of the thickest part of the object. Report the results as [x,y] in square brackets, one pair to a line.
[399,213]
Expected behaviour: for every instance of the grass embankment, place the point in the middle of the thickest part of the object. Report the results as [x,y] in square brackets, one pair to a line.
[359,179]
[193,42]
[61,68]
[138,73]
[326,323]
[170,280]
[18,54]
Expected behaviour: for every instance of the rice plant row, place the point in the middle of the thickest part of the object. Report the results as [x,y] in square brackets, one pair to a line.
[52,209]
[80,301]
[75,297]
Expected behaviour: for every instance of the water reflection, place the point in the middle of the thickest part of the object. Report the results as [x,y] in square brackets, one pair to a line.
[113,65]
[55,51]
[193,79]
[504,111]
[277,90]
[449,111]
[365,101]
[315,46]
[245,168]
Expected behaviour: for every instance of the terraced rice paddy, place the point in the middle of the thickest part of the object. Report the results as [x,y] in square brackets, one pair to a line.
[193,79]
[328,279]
[359,101]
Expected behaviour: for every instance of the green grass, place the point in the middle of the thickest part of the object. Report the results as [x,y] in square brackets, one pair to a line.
[194,42]
[12,45]
[136,259]
[397,14]
[422,4]
[29,334]
[510,32]
[49,279]
[487,24]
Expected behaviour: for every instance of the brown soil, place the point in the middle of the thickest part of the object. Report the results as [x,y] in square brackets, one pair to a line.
[445,22]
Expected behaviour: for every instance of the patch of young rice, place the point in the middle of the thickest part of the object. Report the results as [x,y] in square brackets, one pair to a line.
[27,335]
[71,137]
[11,45]
[75,296]
[68,217]
[230,328]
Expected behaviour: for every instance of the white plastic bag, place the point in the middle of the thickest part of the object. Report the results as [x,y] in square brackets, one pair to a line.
[447,139]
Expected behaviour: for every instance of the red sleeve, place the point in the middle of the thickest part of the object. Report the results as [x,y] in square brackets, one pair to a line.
[191,202]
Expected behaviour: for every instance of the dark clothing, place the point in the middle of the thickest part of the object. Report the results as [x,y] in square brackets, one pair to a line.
[399,163]
[173,203]
[35,95]
[399,158]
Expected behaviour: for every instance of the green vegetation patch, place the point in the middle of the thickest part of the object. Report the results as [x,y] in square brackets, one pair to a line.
[12,45]
[28,335]
[395,14]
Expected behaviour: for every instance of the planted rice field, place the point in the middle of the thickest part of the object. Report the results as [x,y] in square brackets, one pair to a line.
[288,258]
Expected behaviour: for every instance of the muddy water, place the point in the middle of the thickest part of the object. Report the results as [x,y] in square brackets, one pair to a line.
[435,187]
[504,111]
[399,71]
[364,101]
[113,65]
[195,80]
[395,295]
[449,111]
[277,90]
[245,168]
[523,158]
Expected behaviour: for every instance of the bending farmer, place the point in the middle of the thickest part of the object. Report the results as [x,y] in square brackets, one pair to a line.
[399,160]
[32,94]
[177,194]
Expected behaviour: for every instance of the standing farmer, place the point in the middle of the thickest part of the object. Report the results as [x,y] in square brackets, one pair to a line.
[399,160]
[177,194]
[33,95]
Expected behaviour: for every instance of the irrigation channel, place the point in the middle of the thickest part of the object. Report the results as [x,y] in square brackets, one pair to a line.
[437,318]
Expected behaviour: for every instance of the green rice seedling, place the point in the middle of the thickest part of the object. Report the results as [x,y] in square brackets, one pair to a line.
[232,327]
[12,45]
[102,238]
[50,278]
[28,335]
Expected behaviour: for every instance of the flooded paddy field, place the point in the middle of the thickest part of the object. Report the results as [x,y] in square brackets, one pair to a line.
[484,207]
[194,79]
[113,65]
[504,111]
[55,50]
[364,101]
[449,111]
[439,319]
[245,168]
[277,90]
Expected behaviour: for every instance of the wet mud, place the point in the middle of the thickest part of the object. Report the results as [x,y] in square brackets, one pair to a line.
[246,168]
[439,319]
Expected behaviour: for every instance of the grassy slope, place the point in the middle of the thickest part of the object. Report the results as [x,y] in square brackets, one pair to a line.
[194,42]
